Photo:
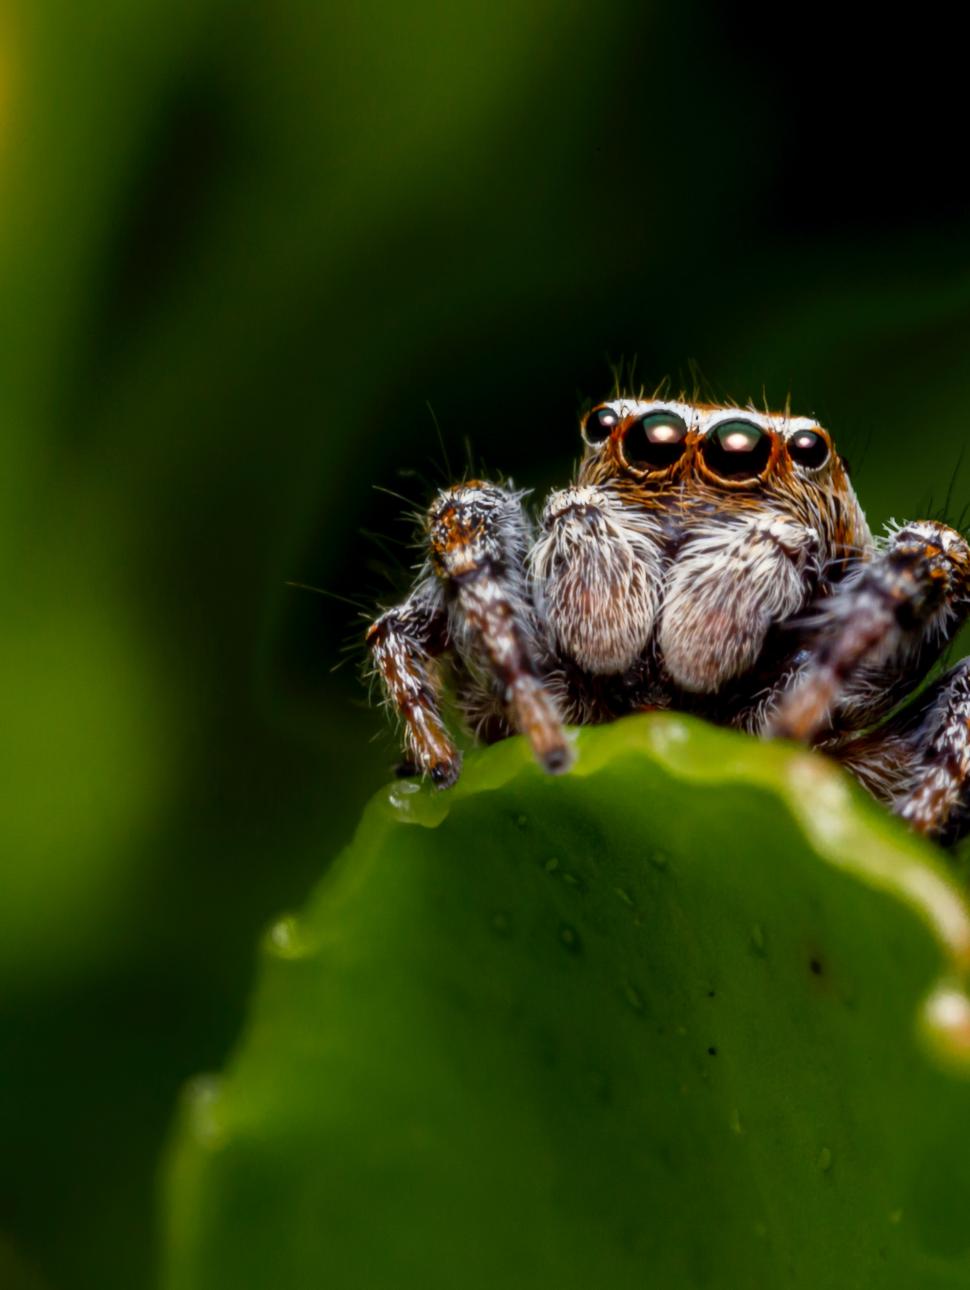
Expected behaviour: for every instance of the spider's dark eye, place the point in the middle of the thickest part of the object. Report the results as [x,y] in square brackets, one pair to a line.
[654,441]
[735,449]
[599,425]
[808,449]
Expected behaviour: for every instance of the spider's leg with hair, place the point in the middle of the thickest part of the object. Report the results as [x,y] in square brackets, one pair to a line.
[404,643]
[885,624]
[919,761]
[479,538]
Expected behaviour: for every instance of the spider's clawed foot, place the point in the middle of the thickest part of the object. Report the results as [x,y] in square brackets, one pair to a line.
[444,774]
[536,717]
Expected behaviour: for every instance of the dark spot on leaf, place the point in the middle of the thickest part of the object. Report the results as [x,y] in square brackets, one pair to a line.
[501,924]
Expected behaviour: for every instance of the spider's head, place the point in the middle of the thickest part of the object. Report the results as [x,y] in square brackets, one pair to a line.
[722,457]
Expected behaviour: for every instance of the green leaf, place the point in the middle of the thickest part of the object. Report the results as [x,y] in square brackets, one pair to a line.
[692,1015]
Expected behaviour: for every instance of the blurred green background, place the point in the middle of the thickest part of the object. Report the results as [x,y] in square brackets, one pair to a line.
[250,256]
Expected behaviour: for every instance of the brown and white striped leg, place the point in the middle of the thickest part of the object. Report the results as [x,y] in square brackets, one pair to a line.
[479,539]
[919,762]
[403,643]
[937,801]
[886,623]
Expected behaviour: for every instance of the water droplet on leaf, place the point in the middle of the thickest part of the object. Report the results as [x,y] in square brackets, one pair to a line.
[570,938]
[946,1023]
[284,939]
[204,1096]
[401,798]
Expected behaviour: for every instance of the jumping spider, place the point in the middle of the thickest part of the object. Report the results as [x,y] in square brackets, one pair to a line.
[710,559]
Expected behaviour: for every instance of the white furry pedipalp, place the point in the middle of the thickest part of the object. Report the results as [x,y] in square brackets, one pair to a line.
[596,575]
[729,583]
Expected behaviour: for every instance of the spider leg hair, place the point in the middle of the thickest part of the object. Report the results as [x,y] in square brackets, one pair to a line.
[918,762]
[404,643]
[479,537]
[893,612]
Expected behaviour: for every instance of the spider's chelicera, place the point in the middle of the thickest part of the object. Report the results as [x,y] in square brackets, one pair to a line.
[708,559]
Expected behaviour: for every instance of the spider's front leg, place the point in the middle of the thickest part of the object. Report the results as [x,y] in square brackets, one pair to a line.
[471,599]
[918,762]
[479,539]
[404,643]
[879,630]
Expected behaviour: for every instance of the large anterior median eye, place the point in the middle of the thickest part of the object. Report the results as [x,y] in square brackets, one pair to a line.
[736,449]
[654,441]
[808,449]
[599,424]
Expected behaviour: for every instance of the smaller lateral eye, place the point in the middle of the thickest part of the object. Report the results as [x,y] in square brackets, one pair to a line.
[808,448]
[599,425]
[654,441]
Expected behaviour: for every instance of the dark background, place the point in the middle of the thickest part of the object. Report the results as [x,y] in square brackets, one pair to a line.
[250,255]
